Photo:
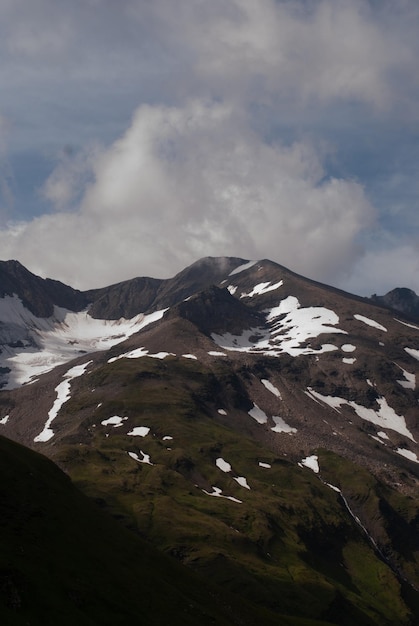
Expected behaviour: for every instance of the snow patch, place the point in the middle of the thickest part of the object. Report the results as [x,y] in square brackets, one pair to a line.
[222,412]
[258,414]
[241,268]
[217,492]
[223,465]
[133,354]
[190,356]
[281,426]
[270,387]
[331,401]
[410,379]
[140,352]
[161,355]
[333,487]
[385,416]
[348,347]
[289,334]
[265,465]
[408,454]
[287,305]
[63,394]
[215,353]
[377,439]
[412,352]
[139,431]
[262,288]
[349,361]
[114,421]
[406,324]
[5,419]
[145,457]
[241,480]
[232,289]
[312,462]
[370,322]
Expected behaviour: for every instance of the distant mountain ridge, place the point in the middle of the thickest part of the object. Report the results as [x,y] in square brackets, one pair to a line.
[400,299]
[124,299]
[127,298]
[260,427]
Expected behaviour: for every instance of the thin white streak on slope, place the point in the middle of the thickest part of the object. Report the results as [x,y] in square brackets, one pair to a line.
[412,352]
[243,267]
[406,324]
[410,382]
[217,492]
[63,394]
[270,387]
[369,322]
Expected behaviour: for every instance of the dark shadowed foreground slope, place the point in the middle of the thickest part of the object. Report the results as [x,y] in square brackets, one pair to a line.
[65,562]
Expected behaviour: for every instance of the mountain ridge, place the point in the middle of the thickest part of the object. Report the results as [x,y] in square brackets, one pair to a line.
[259,427]
[400,299]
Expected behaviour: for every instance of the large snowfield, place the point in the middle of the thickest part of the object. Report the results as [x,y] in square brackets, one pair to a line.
[36,345]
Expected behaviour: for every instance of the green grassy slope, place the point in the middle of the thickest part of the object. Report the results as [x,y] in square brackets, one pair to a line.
[289,545]
[63,561]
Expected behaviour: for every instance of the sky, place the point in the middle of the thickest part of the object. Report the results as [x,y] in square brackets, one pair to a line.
[137,136]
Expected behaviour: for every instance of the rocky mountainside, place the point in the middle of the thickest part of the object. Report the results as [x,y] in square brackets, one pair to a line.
[38,295]
[259,427]
[400,299]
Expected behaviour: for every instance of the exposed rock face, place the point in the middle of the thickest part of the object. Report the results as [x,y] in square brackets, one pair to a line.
[124,299]
[214,310]
[37,294]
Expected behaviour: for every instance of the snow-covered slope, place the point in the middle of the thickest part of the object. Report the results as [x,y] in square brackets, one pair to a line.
[32,345]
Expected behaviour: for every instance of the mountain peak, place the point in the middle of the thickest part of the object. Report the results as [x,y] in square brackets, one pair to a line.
[400,299]
[37,294]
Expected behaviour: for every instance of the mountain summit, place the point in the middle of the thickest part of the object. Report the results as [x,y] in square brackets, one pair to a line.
[257,426]
[401,299]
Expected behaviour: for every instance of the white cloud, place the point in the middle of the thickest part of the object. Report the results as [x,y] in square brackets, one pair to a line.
[66,184]
[189,182]
[380,270]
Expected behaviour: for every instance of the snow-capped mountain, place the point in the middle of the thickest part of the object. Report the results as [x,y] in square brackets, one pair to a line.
[260,427]
[44,323]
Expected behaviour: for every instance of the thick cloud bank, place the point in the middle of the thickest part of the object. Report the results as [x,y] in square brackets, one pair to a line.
[241,118]
[190,182]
